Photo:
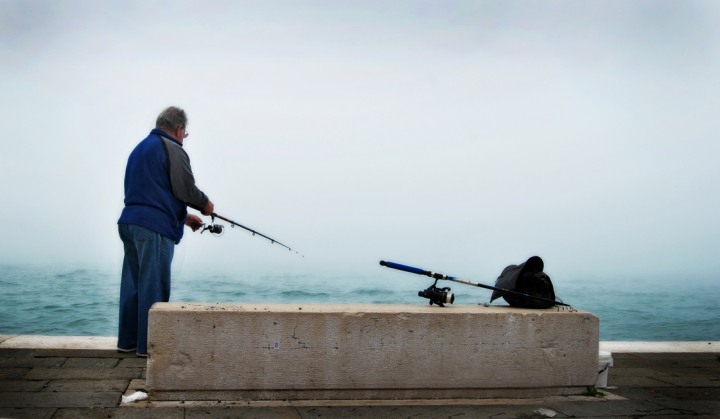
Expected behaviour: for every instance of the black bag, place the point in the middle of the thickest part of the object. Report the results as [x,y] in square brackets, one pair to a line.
[526,278]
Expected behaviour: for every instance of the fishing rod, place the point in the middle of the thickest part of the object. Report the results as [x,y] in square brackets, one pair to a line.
[217,230]
[441,296]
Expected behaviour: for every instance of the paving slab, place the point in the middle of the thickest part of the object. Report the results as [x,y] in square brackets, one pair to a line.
[82,373]
[21,385]
[119,413]
[86,385]
[91,363]
[691,393]
[635,372]
[640,382]
[423,412]
[692,381]
[689,416]
[650,394]
[616,408]
[27,413]
[8,373]
[16,353]
[65,399]
[691,372]
[698,407]
[31,361]
[137,362]
[242,412]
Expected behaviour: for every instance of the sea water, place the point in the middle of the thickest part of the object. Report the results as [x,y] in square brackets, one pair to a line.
[53,300]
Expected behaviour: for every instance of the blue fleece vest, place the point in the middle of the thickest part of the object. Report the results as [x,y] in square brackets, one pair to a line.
[149,200]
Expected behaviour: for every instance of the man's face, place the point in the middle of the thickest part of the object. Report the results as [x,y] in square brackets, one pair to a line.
[181,133]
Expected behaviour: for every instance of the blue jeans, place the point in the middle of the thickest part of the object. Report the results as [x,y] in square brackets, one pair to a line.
[145,281]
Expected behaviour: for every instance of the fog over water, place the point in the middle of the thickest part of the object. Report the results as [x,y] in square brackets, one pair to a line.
[459,137]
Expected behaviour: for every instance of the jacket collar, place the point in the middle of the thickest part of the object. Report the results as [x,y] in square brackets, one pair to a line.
[160,132]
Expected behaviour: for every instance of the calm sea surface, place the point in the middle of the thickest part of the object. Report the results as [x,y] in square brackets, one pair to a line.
[46,300]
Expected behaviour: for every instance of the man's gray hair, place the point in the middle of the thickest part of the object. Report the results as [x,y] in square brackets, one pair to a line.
[171,118]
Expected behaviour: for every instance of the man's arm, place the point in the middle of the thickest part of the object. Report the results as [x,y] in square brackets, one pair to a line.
[182,179]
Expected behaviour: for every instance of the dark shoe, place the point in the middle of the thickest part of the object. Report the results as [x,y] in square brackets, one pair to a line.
[126,350]
[141,355]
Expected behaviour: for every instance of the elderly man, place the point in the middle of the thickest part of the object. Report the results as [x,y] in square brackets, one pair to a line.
[159,186]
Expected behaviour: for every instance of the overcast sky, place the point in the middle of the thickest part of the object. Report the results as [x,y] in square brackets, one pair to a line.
[459,137]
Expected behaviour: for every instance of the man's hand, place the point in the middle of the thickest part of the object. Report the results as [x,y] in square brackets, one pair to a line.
[209,208]
[194,222]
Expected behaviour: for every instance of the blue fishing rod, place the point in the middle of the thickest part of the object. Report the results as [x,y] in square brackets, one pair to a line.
[441,296]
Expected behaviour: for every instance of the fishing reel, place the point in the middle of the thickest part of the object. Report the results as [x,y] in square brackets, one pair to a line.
[214,229]
[439,296]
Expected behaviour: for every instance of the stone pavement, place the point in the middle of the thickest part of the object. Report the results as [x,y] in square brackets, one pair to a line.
[58,378]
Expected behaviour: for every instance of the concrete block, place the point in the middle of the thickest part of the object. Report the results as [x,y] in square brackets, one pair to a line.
[204,351]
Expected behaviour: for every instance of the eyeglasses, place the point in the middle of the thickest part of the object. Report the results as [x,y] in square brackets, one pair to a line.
[185,133]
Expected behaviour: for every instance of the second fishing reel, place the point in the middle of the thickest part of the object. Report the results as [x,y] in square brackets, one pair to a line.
[439,296]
